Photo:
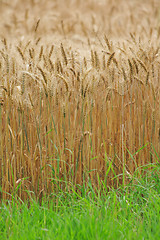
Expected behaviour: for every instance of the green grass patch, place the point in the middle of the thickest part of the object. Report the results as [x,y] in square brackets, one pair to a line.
[132,212]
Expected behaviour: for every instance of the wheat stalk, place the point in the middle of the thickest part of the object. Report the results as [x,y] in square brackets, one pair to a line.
[110,59]
[64,55]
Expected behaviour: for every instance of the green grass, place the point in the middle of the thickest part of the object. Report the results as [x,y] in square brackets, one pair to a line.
[132,212]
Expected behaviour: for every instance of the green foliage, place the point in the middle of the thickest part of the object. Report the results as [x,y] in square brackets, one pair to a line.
[131,212]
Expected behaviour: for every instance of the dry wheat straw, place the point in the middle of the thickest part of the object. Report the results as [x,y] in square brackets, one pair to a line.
[92,59]
[97,63]
[40,53]
[110,59]
[107,43]
[66,119]
[131,70]
[142,65]
[37,25]
[64,55]
[21,53]
[43,74]
[135,64]
[64,80]
[51,51]
[38,40]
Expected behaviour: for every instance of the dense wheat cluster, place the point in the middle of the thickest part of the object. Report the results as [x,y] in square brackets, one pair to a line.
[79,93]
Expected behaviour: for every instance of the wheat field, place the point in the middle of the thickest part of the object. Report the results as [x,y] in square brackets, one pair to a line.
[79,93]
